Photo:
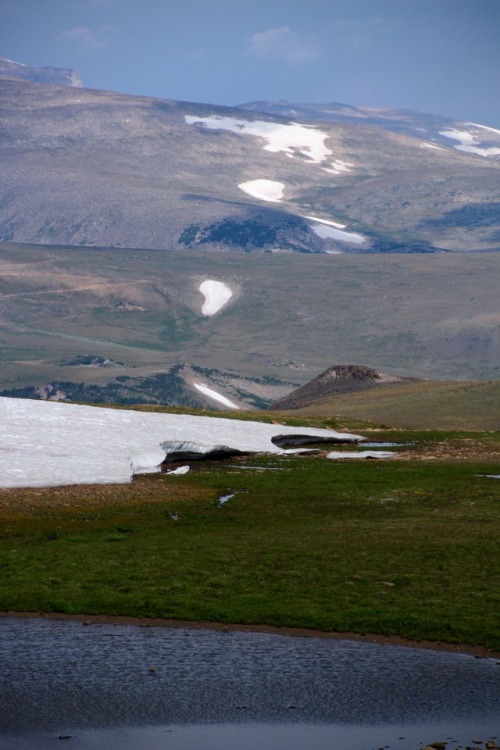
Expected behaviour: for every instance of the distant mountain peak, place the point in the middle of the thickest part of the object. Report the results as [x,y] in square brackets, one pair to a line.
[55,76]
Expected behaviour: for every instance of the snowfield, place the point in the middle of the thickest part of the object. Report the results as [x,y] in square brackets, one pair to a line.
[469,142]
[216,294]
[47,443]
[292,139]
[264,190]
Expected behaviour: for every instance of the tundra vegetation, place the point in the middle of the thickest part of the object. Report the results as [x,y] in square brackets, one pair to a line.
[407,546]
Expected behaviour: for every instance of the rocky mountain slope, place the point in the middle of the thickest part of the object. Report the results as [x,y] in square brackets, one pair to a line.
[469,137]
[94,168]
[336,380]
[138,235]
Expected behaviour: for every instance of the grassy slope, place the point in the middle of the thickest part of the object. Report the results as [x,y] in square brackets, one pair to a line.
[428,316]
[407,547]
[423,405]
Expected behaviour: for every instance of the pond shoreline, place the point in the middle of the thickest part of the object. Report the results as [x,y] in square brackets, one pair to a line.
[479,652]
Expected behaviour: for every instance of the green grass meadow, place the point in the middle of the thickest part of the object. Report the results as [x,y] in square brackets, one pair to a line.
[402,547]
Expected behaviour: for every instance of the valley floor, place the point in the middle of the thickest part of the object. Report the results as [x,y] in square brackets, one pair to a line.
[407,548]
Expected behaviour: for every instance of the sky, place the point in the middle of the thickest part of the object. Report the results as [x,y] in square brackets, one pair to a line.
[439,56]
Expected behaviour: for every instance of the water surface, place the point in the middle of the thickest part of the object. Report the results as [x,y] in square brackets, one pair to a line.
[124,686]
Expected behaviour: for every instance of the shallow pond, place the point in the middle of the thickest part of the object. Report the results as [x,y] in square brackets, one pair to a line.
[123,686]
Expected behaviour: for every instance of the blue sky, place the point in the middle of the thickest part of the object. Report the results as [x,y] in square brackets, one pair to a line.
[440,56]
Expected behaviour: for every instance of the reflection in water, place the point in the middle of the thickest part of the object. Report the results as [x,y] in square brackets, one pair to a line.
[98,684]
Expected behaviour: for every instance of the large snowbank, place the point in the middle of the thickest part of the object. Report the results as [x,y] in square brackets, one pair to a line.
[46,443]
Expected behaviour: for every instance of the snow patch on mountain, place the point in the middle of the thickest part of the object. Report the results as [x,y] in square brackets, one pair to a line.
[332,230]
[484,127]
[339,167]
[272,191]
[469,142]
[217,294]
[264,190]
[327,222]
[47,443]
[214,395]
[332,233]
[431,145]
[293,139]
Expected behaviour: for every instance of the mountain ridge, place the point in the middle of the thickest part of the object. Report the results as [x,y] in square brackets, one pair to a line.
[336,241]
[37,74]
[473,138]
[128,171]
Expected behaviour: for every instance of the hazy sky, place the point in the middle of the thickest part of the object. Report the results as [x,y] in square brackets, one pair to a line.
[440,56]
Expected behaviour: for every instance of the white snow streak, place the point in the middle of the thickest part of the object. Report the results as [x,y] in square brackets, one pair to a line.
[214,395]
[431,145]
[217,294]
[326,221]
[484,127]
[46,443]
[265,190]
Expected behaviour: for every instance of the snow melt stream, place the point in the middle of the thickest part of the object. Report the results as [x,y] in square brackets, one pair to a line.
[47,443]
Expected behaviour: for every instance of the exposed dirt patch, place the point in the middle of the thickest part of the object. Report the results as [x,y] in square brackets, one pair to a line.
[35,500]
[465,449]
